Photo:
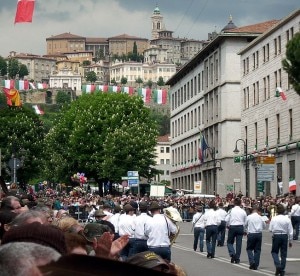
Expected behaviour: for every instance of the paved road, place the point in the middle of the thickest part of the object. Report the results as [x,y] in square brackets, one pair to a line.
[196,263]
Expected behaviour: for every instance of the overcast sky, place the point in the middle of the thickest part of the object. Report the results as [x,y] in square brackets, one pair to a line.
[107,18]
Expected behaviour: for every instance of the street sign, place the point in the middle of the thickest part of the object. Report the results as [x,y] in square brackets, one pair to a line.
[265,159]
[133,182]
[265,172]
[133,174]
[229,188]
[260,186]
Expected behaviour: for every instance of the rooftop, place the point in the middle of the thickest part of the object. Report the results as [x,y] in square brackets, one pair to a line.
[65,36]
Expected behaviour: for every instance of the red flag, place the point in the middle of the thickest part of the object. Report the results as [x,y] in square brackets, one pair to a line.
[24,11]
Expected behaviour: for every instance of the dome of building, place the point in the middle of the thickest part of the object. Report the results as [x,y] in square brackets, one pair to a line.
[156,10]
[230,25]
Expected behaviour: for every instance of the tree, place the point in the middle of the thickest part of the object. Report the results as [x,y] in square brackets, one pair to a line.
[99,55]
[113,81]
[291,64]
[3,66]
[91,76]
[160,81]
[149,83]
[86,63]
[23,71]
[13,68]
[21,132]
[139,81]
[63,98]
[102,135]
[134,52]
[123,80]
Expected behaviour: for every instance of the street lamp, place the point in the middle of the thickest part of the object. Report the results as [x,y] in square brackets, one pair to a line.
[236,151]
[215,165]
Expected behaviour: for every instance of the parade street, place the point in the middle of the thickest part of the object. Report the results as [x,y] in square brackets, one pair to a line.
[196,263]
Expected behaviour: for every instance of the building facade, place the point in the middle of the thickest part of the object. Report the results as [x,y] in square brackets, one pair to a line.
[205,96]
[271,125]
[163,159]
[39,67]
[66,79]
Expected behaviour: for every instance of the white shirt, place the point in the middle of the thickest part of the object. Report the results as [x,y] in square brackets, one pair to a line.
[221,213]
[139,226]
[211,218]
[126,225]
[115,221]
[281,224]
[198,220]
[158,229]
[295,210]
[255,223]
[236,216]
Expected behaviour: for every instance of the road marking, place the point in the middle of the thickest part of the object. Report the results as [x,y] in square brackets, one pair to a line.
[225,260]
[293,259]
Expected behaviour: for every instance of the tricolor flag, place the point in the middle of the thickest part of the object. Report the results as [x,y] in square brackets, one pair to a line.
[279,92]
[128,90]
[24,11]
[145,93]
[202,148]
[12,97]
[9,84]
[88,88]
[160,96]
[32,86]
[22,85]
[42,85]
[114,89]
[292,185]
[38,110]
[103,88]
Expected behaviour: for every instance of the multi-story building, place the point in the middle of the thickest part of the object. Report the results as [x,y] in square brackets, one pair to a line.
[134,70]
[155,54]
[163,158]
[101,69]
[123,44]
[66,79]
[269,124]
[179,50]
[80,56]
[205,96]
[98,45]
[39,67]
[65,42]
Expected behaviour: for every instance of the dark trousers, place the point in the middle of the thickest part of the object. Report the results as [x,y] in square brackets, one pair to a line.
[164,252]
[279,243]
[296,224]
[199,235]
[235,233]
[254,248]
[127,251]
[211,237]
[140,246]
[221,233]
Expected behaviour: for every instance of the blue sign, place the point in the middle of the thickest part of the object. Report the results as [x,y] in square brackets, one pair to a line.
[133,182]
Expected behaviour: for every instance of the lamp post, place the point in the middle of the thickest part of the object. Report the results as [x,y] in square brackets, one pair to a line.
[215,167]
[236,151]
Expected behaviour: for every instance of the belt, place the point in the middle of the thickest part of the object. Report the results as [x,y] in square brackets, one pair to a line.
[255,233]
[141,240]
[279,233]
[160,246]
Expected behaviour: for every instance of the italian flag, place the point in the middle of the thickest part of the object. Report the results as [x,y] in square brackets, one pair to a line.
[103,88]
[128,90]
[292,185]
[160,96]
[114,89]
[9,84]
[42,85]
[22,85]
[279,92]
[24,11]
[145,93]
[38,110]
[88,88]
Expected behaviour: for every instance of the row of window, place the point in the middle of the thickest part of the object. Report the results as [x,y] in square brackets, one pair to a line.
[265,52]
[277,123]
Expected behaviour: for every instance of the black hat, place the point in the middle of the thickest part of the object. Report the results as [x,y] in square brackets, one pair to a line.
[143,205]
[117,208]
[154,206]
[93,230]
[148,259]
[128,208]
[100,213]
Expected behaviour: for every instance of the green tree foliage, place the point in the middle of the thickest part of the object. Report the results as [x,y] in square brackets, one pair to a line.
[113,81]
[123,80]
[23,71]
[160,81]
[3,66]
[91,76]
[102,135]
[62,98]
[21,131]
[162,120]
[134,52]
[139,81]
[291,63]
[13,68]
[86,63]
[149,83]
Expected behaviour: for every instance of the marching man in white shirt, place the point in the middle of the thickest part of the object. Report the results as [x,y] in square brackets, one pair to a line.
[254,227]
[282,230]
[159,229]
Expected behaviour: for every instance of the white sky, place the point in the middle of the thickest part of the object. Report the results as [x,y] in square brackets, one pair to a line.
[107,18]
